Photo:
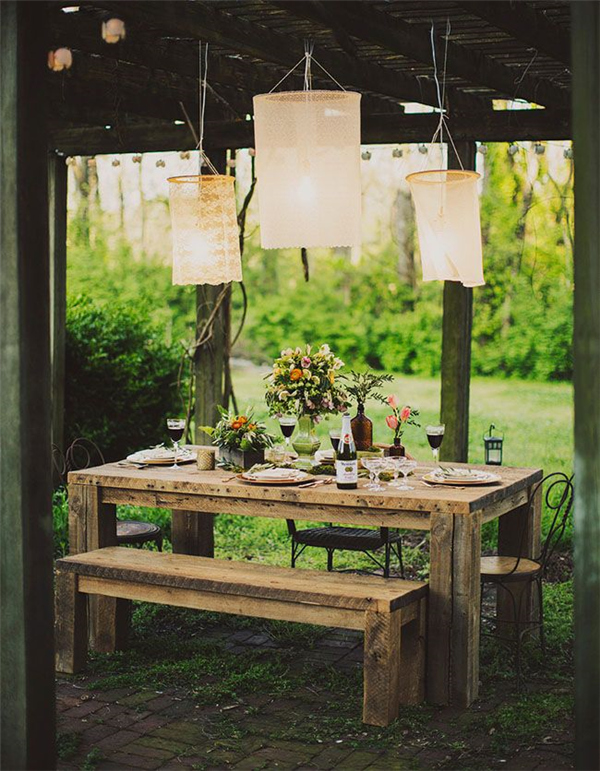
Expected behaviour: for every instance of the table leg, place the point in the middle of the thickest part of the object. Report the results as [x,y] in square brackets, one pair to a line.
[192,532]
[93,525]
[453,627]
[520,530]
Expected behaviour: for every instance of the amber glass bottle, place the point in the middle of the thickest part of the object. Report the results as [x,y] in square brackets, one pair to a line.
[362,429]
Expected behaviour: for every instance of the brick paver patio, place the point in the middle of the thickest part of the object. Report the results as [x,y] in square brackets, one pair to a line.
[142,728]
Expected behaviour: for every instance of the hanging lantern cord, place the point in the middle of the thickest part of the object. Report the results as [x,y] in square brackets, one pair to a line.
[441,93]
[202,108]
[308,60]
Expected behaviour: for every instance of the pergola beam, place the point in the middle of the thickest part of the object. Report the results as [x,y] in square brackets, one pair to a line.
[522,22]
[395,35]
[497,126]
[205,23]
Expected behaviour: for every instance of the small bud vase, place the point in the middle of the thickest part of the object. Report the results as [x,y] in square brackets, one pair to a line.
[397,450]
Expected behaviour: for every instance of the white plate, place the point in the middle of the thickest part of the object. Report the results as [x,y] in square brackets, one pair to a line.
[324,456]
[161,456]
[268,478]
[473,477]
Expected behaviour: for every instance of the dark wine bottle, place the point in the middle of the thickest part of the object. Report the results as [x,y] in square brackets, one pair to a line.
[346,464]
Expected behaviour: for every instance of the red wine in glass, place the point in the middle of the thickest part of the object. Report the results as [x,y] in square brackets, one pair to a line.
[334,437]
[287,423]
[175,434]
[435,436]
[175,427]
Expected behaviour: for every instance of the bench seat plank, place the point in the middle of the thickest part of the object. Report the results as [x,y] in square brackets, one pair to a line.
[245,579]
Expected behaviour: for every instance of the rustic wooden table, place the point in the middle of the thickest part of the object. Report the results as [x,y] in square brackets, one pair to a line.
[453,516]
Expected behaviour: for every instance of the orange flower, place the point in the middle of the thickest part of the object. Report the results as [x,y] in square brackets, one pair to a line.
[242,419]
[251,426]
[236,424]
[295,374]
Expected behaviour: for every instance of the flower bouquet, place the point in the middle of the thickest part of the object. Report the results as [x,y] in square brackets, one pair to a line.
[241,440]
[398,420]
[303,383]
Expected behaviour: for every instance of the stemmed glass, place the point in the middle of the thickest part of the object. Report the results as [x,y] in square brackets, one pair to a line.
[334,437]
[404,466]
[375,467]
[435,435]
[287,423]
[175,427]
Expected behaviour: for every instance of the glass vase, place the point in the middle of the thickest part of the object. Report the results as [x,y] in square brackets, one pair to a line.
[362,429]
[305,440]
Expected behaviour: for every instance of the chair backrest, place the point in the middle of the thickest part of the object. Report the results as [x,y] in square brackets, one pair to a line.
[558,499]
[83,453]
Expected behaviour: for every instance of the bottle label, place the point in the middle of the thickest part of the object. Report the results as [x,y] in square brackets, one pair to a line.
[346,471]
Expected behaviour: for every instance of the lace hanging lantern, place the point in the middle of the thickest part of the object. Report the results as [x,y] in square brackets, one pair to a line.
[308,168]
[448,225]
[206,247]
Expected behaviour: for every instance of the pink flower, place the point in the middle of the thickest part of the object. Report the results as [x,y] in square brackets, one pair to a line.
[392,422]
[405,414]
[305,361]
[392,401]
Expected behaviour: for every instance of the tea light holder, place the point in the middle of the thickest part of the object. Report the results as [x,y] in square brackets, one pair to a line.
[205,458]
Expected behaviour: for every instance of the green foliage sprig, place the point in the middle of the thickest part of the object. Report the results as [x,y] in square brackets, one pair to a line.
[239,432]
[363,385]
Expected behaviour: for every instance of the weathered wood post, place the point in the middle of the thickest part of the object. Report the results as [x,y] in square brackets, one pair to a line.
[193,532]
[456,347]
[57,194]
[27,662]
[210,357]
[586,130]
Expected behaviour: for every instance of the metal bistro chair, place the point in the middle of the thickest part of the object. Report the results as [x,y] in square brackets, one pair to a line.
[84,453]
[504,571]
[334,538]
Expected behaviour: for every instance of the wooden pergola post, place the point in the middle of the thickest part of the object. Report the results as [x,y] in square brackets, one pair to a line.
[27,711]
[57,194]
[586,130]
[456,346]
[193,532]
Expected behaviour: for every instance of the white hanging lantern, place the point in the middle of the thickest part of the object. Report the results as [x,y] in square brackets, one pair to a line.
[206,247]
[60,59]
[448,225]
[113,30]
[308,168]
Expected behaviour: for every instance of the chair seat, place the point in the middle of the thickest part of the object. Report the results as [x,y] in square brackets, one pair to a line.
[132,531]
[351,538]
[504,567]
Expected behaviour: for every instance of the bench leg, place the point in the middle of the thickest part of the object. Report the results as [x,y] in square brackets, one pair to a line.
[412,661]
[381,699]
[70,625]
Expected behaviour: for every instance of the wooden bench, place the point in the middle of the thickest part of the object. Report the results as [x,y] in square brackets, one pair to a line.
[390,611]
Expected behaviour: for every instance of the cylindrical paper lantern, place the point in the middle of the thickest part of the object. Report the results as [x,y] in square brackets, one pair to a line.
[448,225]
[206,247]
[308,168]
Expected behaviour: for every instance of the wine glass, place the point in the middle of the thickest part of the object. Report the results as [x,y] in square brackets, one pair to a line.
[287,423]
[435,434]
[405,466]
[334,437]
[375,466]
[175,427]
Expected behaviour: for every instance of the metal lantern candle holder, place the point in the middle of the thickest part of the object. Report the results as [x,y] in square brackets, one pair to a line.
[493,446]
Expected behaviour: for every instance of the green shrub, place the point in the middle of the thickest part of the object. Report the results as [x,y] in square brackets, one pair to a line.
[60,517]
[121,379]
